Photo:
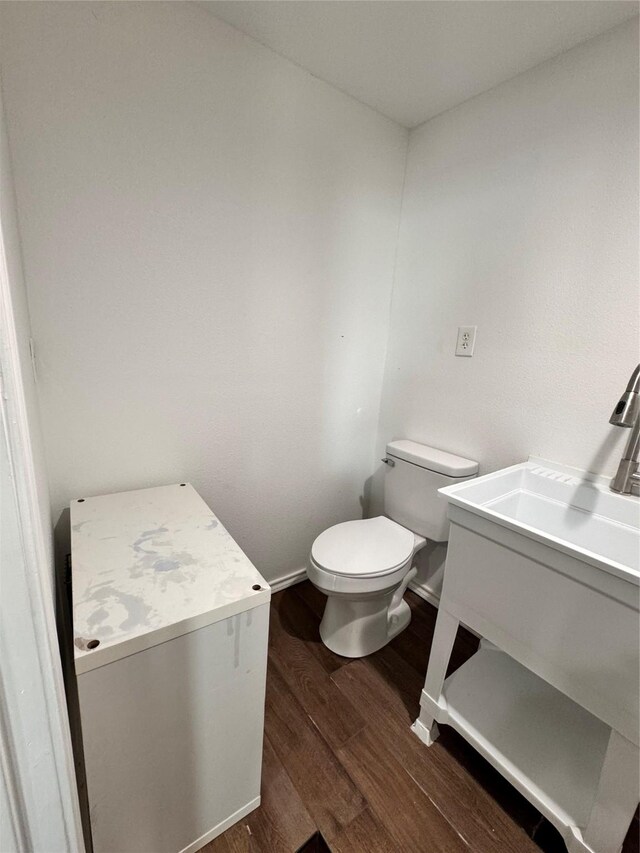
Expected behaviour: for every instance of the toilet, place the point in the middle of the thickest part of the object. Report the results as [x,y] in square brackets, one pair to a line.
[365,566]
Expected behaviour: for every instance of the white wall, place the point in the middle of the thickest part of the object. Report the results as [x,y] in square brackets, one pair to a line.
[209,237]
[520,215]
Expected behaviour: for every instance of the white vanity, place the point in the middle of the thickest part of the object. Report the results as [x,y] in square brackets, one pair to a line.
[544,564]
[170,629]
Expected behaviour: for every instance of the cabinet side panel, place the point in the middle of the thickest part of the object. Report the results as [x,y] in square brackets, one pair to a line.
[173,736]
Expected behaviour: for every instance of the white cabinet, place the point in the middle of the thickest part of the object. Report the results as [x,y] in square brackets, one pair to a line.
[170,632]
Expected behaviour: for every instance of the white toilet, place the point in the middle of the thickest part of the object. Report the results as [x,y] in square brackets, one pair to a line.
[364,567]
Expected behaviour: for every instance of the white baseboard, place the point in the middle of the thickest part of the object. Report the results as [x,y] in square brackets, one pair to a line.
[426,593]
[296,576]
[221,827]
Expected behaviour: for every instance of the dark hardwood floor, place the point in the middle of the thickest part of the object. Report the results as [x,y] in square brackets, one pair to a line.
[342,770]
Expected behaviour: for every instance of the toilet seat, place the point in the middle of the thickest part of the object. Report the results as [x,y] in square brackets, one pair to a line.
[368,548]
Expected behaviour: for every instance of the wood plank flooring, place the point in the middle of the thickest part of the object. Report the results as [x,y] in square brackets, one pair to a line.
[340,759]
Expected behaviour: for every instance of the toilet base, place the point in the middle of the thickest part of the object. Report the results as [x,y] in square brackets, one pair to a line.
[354,626]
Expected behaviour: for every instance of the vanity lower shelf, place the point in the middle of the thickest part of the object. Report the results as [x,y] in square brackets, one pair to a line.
[551,749]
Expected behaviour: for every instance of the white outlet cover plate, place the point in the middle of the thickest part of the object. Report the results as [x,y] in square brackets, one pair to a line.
[466,341]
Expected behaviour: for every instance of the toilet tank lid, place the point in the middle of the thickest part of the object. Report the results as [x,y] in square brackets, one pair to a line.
[434,460]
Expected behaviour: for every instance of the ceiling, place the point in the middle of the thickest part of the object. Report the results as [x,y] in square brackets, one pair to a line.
[410,60]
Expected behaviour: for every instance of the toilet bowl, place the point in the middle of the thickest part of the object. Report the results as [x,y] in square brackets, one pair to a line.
[364,566]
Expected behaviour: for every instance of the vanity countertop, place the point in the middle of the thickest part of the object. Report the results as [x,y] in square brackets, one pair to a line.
[150,565]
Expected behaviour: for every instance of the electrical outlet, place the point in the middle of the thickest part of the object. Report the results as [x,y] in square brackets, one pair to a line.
[466,340]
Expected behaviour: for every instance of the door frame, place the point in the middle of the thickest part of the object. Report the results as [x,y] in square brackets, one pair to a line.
[39,792]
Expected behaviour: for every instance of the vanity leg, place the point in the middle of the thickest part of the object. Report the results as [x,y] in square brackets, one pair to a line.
[443,639]
[617,796]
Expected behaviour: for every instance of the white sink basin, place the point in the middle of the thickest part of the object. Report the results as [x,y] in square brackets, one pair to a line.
[574,513]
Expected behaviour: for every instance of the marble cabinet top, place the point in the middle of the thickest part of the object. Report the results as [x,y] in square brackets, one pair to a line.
[150,565]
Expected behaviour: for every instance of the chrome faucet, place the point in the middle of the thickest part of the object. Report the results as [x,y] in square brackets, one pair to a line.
[627,414]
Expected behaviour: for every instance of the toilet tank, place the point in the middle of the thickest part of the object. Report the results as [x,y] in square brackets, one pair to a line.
[414,474]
